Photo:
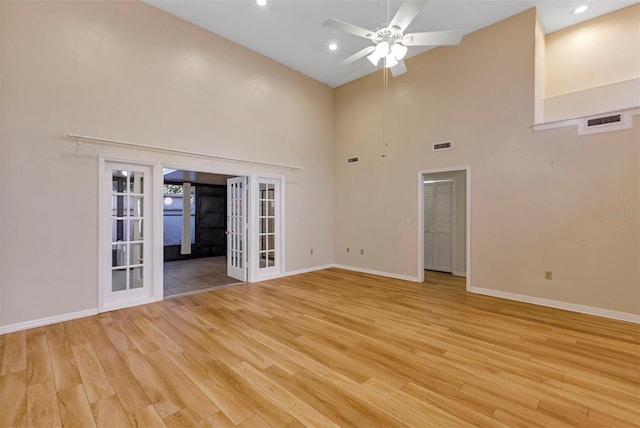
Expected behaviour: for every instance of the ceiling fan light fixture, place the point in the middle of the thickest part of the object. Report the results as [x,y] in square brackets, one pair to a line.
[382,49]
[374,58]
[399,51]
[390,61]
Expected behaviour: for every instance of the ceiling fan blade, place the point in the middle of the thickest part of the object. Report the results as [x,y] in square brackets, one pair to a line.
[399,69]
[349,28]
[433,38]
[407,13]
[356,56]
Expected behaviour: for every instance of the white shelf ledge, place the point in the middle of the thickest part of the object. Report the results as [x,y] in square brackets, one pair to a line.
[580,122]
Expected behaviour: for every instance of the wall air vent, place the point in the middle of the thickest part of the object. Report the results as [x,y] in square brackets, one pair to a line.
[604,123]
[353,160]
[445,145]
[604,120]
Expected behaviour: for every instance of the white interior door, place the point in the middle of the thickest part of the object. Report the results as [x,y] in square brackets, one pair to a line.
[438,225]
[237,228]
[269,232]
[126,266]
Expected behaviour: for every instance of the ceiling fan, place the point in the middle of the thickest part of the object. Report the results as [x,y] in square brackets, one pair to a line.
[390,43]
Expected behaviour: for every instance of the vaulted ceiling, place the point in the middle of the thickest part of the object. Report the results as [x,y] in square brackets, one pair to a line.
[291,31]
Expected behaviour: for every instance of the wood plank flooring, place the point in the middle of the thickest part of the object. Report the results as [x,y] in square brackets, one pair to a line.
[329,348]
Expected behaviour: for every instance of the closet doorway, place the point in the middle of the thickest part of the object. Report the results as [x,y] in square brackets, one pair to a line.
[444,226]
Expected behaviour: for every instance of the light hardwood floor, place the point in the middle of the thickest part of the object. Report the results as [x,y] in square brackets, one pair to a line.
[329,348]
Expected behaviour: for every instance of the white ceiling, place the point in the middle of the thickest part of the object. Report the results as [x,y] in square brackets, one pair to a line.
[291,31]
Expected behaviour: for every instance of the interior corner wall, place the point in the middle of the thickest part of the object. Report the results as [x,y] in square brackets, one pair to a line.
[540,72]
[540,201]
[129,71]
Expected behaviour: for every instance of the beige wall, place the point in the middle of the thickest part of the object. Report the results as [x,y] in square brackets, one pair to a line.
[581,57]
[538,200]
[589,102]
[128,71]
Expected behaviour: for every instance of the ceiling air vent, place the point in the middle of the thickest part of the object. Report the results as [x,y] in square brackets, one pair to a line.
[604,123]
[353,160]
[446,145]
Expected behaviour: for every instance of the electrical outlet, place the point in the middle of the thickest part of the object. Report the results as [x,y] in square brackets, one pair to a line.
[311,251]
[361,251]
[548,274]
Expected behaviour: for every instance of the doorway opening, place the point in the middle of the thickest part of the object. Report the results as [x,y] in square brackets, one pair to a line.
[167,231]
[195,213]
[444,226]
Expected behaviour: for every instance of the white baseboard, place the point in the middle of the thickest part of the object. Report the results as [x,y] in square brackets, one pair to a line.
[583,309]
[377,272]
[129,304]
[307,270]
[459,273]
[10,328]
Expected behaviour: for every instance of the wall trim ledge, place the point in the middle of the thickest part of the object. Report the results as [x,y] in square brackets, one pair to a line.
[10,328]
[573,307]
[577,121]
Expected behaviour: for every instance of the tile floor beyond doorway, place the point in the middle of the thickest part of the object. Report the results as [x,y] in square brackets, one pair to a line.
[186,276]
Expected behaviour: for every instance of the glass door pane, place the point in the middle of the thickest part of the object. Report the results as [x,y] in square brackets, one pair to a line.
[268,222]
[127,237]
[236,228]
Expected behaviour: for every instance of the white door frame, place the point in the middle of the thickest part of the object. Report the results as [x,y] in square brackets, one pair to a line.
[157,257]
[219,171]
[252,224]
[104,234]
[421,175]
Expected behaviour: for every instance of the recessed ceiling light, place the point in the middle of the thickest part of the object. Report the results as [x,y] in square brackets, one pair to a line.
[333,46]
[580,9]
[261,2]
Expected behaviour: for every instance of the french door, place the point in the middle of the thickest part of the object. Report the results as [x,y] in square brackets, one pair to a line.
[237,228]
[269,246]
[265,254]
[125,235]
[438,225]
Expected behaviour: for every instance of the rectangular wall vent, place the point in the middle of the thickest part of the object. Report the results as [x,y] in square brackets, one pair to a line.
[353,160]
[445,145]
[604,123]
[604,120]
